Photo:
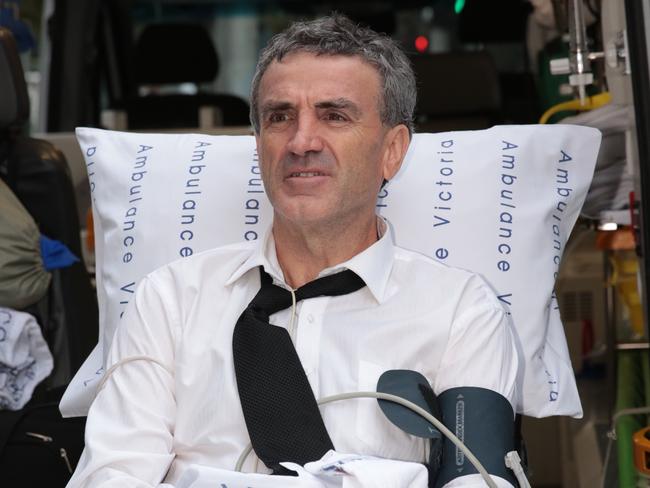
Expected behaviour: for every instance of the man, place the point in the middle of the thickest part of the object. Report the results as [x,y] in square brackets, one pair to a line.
[332,106]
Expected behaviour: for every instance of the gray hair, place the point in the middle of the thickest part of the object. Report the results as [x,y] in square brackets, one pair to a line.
[338,35]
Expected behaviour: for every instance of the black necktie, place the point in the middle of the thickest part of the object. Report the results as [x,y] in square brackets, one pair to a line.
[281,413]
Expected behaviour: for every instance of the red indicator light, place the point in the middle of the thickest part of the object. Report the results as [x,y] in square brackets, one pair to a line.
[421,43]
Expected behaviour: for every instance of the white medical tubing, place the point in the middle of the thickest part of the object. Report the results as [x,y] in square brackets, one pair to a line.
[110,370]
[292,323]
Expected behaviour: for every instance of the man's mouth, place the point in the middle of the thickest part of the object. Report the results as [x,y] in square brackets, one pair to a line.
[305,174]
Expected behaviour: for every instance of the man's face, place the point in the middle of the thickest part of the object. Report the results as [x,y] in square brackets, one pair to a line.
[323,148]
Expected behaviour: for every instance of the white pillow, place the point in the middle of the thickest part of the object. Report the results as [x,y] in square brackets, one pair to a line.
[501,202]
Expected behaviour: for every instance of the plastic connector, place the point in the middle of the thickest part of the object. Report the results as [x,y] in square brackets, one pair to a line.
[560,66]
[513,461]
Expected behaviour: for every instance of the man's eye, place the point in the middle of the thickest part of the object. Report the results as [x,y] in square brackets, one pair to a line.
[278,117]
[336,117]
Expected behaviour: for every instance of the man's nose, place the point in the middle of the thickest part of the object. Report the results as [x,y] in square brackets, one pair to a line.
[306,137]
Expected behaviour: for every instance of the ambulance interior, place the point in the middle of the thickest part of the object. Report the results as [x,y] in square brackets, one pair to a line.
[186,66]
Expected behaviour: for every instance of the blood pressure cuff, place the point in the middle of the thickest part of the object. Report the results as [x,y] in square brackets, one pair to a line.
[484,421]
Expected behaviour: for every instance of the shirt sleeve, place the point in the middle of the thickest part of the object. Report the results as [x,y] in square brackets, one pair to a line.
[129,431]
[481,348]
[481,352]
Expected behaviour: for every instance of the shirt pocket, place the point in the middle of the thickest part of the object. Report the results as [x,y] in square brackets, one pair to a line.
[380,437]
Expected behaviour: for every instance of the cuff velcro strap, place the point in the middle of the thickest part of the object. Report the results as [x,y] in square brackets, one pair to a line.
[484,421]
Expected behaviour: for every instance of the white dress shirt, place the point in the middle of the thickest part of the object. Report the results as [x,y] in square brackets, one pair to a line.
[170,400]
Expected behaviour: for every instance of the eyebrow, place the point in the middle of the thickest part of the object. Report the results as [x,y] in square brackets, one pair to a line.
[336,103]
[340,103]
[274,106]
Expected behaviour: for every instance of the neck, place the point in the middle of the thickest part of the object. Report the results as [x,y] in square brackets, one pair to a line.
[303,252]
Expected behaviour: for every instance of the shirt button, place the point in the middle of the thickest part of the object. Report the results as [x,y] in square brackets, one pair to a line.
[310,318]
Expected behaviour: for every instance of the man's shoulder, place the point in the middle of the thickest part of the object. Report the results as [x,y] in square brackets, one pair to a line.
[427,271]
[418,260]
[218,263]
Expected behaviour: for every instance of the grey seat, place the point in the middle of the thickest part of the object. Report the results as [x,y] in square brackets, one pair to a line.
[457,91]
[175,53]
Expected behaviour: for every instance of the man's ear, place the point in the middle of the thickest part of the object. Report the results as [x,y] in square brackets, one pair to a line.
[397,143]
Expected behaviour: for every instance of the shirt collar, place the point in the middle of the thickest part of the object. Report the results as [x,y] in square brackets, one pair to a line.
[373,264]
[263,254]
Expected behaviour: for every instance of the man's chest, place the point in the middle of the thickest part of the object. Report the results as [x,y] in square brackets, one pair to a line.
[344,347]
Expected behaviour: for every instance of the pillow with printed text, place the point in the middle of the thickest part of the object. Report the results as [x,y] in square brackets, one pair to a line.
[500,202]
